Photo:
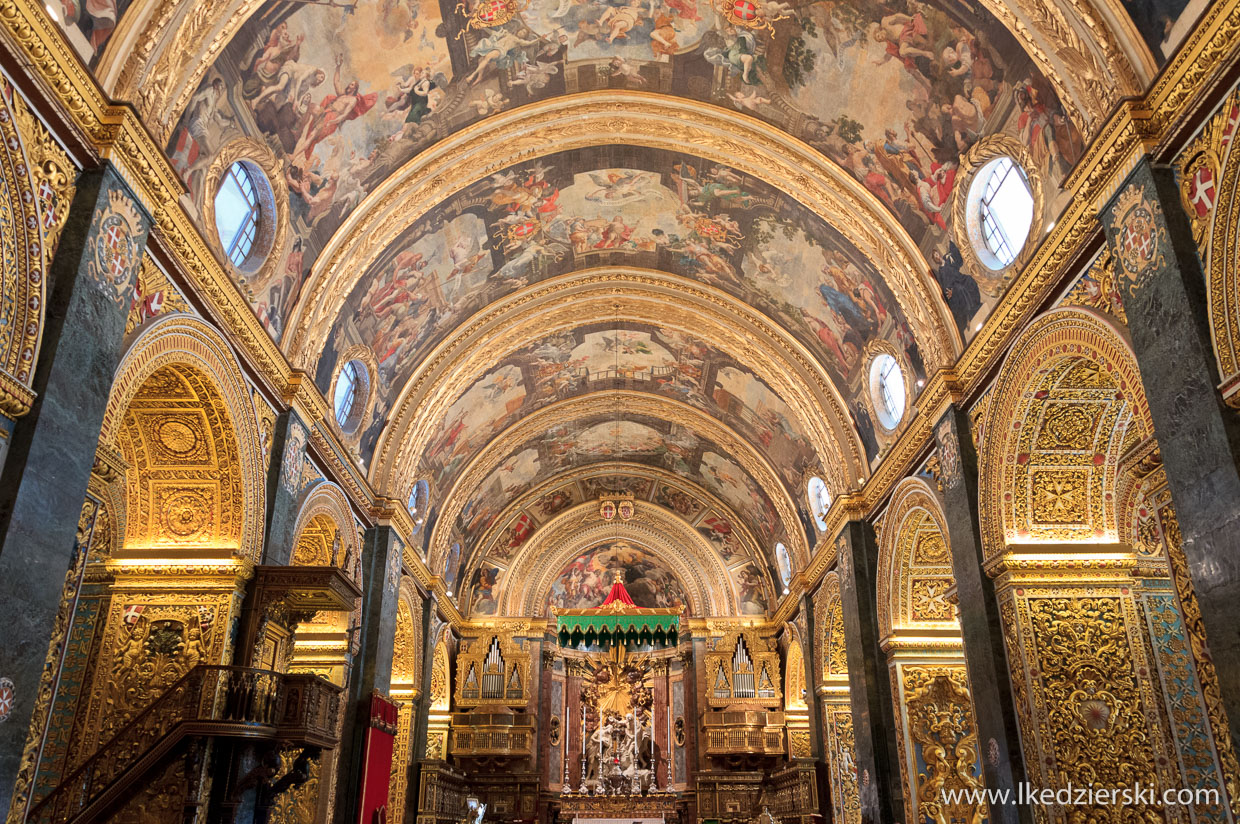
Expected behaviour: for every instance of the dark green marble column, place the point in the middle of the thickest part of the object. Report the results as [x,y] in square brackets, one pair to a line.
[288,447]
[1163,289]
[372,668]
[52,449]
[981,627]
[874,724]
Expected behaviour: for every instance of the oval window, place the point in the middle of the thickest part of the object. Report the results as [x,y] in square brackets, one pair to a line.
[240,214]
[1004,202]
[887,390]
[349,399]
[418,498]
[819,501]
[785,565]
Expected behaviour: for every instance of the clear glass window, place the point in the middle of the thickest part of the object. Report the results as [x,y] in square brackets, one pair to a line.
[237,213]
[1006,210]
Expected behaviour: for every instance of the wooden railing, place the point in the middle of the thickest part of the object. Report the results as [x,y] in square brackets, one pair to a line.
[209,701]
[487,734]
[745,732]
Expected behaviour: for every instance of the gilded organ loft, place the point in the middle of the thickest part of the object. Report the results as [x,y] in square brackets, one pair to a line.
[682,411]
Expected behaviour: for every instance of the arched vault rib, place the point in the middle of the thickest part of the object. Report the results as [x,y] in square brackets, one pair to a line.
[623,294]
[628,118]
[753,550]
[487,459]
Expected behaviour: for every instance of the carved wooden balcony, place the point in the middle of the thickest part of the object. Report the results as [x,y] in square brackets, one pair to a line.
[209,701]
[744,733]
[506,735]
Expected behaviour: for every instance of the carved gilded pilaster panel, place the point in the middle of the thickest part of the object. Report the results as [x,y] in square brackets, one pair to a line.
[1087,697]
[842,762]
[939,750]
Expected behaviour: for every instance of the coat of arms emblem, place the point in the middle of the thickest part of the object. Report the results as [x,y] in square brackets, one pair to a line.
[1137,235]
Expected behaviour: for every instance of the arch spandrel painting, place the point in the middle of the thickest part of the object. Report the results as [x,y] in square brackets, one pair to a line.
[639,439]
[914,85]
[585,581]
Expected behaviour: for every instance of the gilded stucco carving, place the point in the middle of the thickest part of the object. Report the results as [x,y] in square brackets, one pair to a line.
[914,567]
[1073,390]
[35,186]
[1087,705]
[829,619]
[154,295]
[184,487]
[189,494]
[1209,172]
[943,736]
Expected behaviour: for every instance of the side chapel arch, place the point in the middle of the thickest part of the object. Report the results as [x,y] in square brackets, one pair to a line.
[1068,403]
[191,348]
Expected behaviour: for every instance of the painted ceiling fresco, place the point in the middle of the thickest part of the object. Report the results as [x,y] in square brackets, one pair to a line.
[600,438]
[736,549]
[614,205]
[603,356]
[345,96]
[587,579]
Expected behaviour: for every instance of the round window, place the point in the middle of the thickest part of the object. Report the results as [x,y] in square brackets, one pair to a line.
[819,501]
[242,203]
[1001,200]
[785,565]
[349,399]
[887,390]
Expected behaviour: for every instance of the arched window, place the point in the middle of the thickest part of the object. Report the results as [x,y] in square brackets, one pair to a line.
[237,213]
[1006,207]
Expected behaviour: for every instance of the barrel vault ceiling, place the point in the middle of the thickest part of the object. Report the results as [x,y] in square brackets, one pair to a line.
[593,246]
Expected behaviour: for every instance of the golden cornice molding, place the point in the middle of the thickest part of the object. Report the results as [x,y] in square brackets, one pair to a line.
[740,526]
[486,460]
[630,118]
[615,294]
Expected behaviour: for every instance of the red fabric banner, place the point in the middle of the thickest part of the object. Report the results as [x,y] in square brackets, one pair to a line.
[377,769]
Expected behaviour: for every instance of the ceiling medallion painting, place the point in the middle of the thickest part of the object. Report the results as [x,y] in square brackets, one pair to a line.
[914,85]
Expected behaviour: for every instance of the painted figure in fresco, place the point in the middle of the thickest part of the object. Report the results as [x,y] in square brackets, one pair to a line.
[279,49]
[738,53]
[865,428]
[96,19]
[205,120]
[334,111]
[499,50]
[959,290]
